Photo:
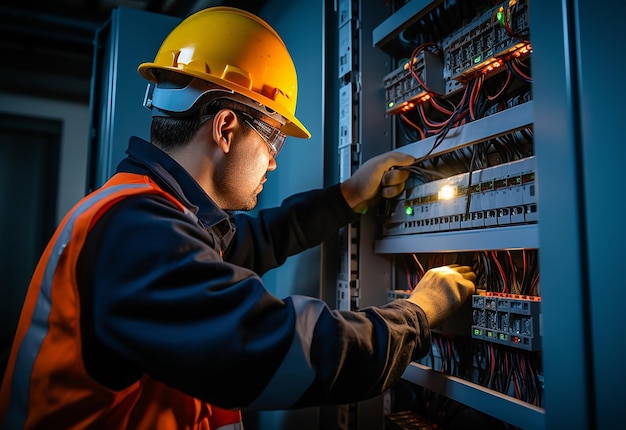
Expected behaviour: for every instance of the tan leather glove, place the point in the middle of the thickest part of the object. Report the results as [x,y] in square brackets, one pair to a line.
[375,179]
[442,290]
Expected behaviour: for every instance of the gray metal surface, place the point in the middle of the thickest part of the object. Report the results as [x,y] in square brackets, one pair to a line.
[514,236]
[118,91]
[564,277]
[491,402]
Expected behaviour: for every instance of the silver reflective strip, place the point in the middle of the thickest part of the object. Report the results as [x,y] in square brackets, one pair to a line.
[38,329]
[295,374]
[233,426]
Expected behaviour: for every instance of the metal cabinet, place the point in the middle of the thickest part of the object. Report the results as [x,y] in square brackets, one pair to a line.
[573,114]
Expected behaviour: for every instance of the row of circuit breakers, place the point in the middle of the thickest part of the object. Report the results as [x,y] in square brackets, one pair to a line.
[496,196]
[482,45]
[502,195]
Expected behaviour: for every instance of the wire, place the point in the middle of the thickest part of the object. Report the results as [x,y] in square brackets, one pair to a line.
[415,126]
[514,67]
[507,25]
[503,88]
[413,60]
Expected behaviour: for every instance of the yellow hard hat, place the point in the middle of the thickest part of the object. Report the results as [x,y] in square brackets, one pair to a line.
[236,50]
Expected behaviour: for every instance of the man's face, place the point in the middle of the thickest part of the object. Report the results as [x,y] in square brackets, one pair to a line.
[241,177]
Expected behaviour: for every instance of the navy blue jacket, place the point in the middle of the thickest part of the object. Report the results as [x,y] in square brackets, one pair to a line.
[184,302]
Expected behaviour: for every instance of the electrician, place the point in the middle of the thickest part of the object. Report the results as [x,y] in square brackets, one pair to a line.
[147,309]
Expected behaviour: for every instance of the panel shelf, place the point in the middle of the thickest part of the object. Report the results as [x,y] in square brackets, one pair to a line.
[404,17]
[491,402]
[507,121]
[510,237]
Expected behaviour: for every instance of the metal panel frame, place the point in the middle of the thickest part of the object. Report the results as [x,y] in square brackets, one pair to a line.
[564,285]
[602,154]
[117,92]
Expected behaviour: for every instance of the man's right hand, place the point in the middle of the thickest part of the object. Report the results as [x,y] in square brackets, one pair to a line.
[442,290]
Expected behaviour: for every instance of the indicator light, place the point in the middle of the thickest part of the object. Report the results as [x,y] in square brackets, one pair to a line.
[500,15]
[447,192]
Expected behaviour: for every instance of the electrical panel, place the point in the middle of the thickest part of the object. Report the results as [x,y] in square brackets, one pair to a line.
[457,89]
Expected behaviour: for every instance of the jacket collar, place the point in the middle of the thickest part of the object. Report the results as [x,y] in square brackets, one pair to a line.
[146,159]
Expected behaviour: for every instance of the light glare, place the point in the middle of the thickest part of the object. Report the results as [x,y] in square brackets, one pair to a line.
[447,192]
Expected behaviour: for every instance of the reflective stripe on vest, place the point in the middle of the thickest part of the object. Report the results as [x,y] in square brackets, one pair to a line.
[48,332]
[38,329]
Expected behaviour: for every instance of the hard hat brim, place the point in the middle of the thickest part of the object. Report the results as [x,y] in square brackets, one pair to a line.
[293,127]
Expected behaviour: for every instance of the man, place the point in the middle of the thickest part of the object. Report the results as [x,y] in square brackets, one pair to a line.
[147,310]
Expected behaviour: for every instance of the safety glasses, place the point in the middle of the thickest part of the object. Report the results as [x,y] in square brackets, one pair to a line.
[272,136]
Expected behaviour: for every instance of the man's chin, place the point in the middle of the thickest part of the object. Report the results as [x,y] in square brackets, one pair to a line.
[245,207]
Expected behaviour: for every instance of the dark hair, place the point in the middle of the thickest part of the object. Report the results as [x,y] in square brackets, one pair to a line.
[171,133]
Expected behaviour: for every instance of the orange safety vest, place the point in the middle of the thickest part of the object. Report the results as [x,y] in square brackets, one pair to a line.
[46,385]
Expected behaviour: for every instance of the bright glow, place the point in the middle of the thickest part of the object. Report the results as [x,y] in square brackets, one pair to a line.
[447,192]
[500,15]
[408,210]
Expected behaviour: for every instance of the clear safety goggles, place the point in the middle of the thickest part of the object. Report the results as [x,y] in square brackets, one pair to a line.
[272,136]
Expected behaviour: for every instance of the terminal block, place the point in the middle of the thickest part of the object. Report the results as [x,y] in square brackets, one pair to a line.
[508,319]
[478,46]
[403,91]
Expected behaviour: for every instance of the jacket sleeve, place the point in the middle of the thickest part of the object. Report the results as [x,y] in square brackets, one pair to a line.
[157,299]
[302,221]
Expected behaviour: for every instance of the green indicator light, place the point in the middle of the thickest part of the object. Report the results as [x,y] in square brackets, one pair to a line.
[500,16]
[408,210]
[390,104]
[477,59]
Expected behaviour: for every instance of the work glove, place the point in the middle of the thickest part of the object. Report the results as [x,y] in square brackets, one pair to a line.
[376,178]
[442,290]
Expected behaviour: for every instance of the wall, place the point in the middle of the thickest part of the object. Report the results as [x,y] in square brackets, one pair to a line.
[75,118]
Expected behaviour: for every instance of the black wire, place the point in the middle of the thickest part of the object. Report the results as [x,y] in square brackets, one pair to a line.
[468,195]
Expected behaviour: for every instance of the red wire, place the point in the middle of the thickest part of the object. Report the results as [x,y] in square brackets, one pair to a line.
[435,103]
[503,88]
[419,264]
[514,280]
[524,269]
[428,122]
[505,288]
[533,288]
[478,81]
[418,128]
[409,282]
[518,70]
[414,55]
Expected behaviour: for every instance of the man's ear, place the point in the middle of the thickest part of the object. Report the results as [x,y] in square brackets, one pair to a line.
[224,124]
